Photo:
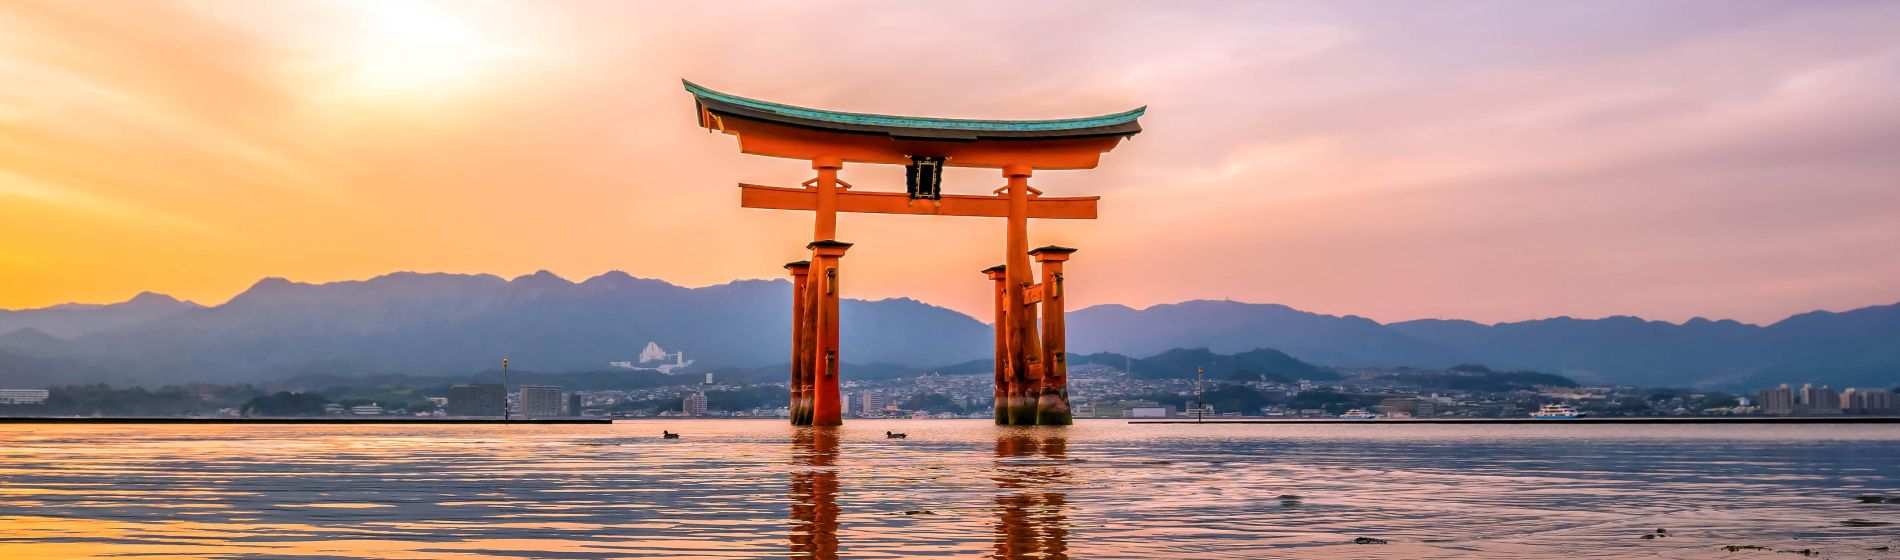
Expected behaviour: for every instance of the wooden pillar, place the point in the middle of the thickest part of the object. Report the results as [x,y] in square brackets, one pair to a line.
[1052,403]
[826,406]
[1024,351]
[999,292]
[800,399]
[825,226]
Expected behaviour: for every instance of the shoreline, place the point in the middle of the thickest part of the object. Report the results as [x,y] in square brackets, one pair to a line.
[89,420]
[1585,420]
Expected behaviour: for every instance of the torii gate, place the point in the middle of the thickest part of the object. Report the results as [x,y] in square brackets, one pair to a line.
[1031,373]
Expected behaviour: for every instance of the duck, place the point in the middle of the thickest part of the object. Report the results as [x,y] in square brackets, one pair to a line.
[668,435]
[893,435]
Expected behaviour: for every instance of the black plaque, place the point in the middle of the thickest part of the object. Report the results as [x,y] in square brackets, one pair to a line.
[923,178]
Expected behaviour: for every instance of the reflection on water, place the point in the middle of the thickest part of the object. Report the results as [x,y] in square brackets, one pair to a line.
[746,489]
[815,492]
[1031,470]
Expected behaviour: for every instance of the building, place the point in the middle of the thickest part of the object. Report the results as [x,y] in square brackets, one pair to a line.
[1149,409]
[371,409]
[694,404]
[540,401]
[1879,401]
[1866,401]
[1853,401]
[480,399]
[1820,400]
[1777,400]
[653,353]
[575,405]
[874,402]
[653,358]
[24,396]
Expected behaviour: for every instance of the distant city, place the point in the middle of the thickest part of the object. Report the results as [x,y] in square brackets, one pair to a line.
[1101,386]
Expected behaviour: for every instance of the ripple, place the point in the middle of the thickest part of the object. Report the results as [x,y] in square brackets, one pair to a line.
[753,489]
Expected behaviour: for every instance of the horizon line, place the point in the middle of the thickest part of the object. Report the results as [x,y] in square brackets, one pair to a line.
[557,276]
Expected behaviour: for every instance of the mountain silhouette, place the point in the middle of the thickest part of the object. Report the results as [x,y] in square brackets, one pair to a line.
[74,319]
[426,324]
[449,324]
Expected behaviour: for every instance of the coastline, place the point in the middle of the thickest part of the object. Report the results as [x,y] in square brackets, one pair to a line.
[134,420]
[1585,420]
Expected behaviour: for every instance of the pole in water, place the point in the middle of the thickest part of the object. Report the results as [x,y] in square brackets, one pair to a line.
[1200,395]
[504,389]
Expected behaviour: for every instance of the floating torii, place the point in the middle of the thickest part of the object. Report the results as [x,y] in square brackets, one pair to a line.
[1031,373]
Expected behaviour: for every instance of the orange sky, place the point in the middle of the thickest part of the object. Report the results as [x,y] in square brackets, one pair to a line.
[1492,161]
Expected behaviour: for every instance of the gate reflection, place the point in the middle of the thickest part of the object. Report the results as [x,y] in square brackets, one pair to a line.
[1031,514]
[815,493]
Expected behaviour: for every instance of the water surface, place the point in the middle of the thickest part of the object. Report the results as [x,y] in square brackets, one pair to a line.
[955,488]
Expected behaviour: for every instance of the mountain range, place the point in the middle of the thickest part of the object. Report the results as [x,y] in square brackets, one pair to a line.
[433,324]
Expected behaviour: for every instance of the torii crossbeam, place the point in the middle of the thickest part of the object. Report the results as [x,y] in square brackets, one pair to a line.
[1031,376]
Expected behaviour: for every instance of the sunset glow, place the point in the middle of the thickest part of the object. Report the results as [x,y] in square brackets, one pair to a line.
[1508,163]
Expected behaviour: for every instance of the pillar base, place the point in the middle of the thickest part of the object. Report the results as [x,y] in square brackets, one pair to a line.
[1053,409]
[801,416]
[1022,411]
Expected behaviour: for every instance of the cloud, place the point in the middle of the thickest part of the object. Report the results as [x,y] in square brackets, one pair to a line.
[1491,160]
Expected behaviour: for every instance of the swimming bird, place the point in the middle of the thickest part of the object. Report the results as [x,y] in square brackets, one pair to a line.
[668,435]
[889,435]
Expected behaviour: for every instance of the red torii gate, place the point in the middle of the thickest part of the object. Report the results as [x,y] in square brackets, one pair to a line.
[1031,373]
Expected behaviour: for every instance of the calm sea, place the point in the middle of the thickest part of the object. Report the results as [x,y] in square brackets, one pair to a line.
[955,488]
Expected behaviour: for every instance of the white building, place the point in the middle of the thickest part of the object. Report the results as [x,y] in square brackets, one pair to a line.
[371,409]
[654,358]
[652,353]
[1160,411]
[695,404]
[24,396]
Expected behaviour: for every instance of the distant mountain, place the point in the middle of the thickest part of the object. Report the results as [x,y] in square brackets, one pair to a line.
[432,324]
[1261,363]
[1859,347]
[454,324]
[74,319]
[1233,327]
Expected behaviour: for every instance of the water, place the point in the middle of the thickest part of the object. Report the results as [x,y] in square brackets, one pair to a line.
[958,488]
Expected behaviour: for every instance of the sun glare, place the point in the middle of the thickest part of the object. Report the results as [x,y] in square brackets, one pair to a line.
[403,49]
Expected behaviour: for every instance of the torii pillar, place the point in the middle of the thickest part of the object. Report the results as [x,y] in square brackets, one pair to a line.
[1025,345]
[801,383]
[1052,402]
[827,407]
[1001,360]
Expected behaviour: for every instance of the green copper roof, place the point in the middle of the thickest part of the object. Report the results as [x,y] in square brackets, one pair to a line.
[1122,123]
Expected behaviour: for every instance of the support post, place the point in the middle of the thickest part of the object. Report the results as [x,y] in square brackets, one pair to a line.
[825,226]
[1052,404]
[800,399]
[826,406]
[1024,351]
[999,293]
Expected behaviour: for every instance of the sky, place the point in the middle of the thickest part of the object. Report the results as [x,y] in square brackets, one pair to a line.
[1494,161]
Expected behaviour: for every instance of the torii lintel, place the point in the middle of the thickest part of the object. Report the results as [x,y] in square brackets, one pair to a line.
[874,202]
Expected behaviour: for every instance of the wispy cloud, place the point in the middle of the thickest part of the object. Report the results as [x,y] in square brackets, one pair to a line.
[1488,160]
